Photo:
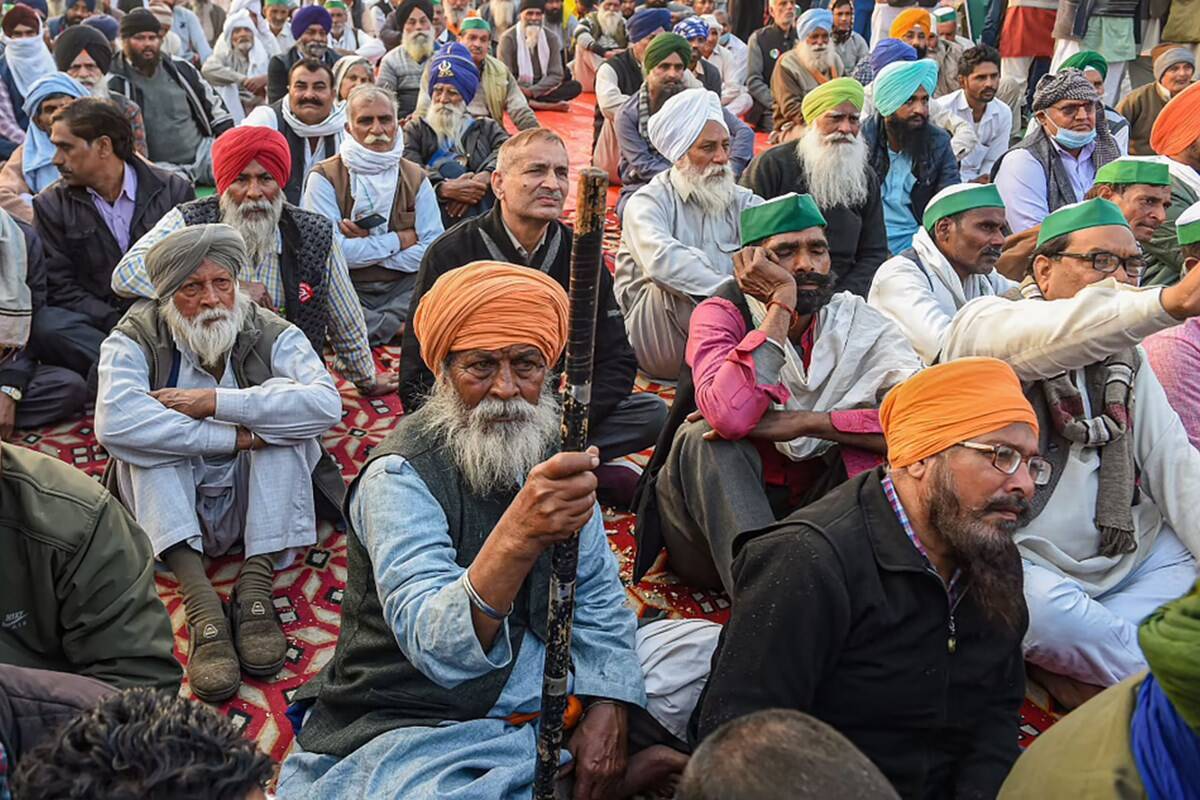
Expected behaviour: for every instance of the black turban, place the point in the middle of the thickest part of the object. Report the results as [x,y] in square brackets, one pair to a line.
[140,20]
[408,6]
[77,38]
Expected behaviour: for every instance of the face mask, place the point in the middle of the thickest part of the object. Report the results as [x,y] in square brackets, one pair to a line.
[1074,140]
[725,38]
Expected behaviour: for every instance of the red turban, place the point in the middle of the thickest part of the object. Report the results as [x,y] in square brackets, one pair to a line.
[1178,124]
[237,147]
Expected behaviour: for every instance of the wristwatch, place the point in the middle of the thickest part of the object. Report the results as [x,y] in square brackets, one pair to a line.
[13,392]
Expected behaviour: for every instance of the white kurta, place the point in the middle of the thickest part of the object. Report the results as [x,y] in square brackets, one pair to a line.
[181,476]
[923,300]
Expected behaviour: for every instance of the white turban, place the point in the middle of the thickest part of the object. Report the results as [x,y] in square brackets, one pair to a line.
[676,126]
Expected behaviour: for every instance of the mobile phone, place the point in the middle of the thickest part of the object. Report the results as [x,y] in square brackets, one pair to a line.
[370,221]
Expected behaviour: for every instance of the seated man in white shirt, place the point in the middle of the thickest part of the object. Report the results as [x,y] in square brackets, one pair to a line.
[976,104]
[680,231]
[383,208]
[734,94]
[951,262]
[1114,533]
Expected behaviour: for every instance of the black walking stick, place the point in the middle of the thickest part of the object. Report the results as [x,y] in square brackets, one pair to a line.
[586,263]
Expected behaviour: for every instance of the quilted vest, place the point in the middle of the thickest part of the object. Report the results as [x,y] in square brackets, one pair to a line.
[303,264]
[370,687]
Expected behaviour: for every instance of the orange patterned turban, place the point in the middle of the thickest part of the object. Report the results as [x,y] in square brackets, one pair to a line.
[489,305]
[910,18]
[941,406]
[1178,124]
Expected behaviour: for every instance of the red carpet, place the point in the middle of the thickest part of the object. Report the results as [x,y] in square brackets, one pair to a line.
[308,594]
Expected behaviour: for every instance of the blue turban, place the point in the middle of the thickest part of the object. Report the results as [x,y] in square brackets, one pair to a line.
[645,21]
[37,5]
[888,51]
[898,82]
[308,16]
[812,20]
[453,65]
[692,28]
[106,25]
[39,152]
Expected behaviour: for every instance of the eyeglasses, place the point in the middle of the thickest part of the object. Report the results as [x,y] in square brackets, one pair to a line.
[1008,461]
[1108,263]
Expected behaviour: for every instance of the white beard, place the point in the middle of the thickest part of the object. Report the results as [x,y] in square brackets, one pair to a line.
[832,169]
[455,15]
[817,61]
[494,456]
[503,14]
[99,89]
[610,22]
[711,188]
[258,230]
[533,34]
[418,45]
[210,334]
[448,122]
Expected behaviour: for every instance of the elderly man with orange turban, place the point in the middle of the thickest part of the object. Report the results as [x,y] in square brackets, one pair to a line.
[436,679]
[1176,139]
[891,609]
[294,263]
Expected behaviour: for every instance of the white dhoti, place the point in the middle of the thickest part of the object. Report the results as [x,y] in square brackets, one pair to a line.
[261,499]
[657,325]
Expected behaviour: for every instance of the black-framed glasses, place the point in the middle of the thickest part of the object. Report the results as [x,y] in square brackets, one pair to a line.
[1008,461]
[1108,263]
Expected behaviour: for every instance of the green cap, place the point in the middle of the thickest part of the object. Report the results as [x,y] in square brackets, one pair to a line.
[1093,213]
[335,4]
[1134,170]
[284,3]
[958,198]
[785,214]
[1187,227]
[944,14]
[475,24]
[1084,60]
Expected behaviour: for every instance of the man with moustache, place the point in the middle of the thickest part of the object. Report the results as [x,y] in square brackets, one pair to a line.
[309,118]
[238,65]
[734,94]
[776,404]
[310,28]
[500,14]
[188,113]
[695,31]
[277,14]
[292,265]
[455,13]
[401,69]
[85,54]
[851,47]
[912,158]
[533,52]
[458,151]
[764,47]
[1114,534]
[679,231]
[812,62]
[600,36]
[213,410]
[975,103]
[665,65]
[524,227]
[829,162]
[347,40]
[370,177]
[951,262]
[891,609]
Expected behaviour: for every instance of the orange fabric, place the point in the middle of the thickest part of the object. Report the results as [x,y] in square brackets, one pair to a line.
[571,716]
[1027,33]
[1178,124]
[950,403]
[489,305]
[910,18]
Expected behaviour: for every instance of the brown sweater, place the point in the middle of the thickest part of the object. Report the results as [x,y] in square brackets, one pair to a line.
[1141,107]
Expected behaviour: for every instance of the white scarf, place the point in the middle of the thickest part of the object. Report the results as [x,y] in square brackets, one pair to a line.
[373,177]
[993,283]
[263,30]
[28,59]
[16,303]
[333,125]
[858,355]
[258,58]
[524,63]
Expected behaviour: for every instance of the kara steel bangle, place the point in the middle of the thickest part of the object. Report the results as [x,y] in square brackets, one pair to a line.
[479,602]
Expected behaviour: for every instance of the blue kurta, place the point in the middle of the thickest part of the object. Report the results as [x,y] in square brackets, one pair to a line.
[404,529]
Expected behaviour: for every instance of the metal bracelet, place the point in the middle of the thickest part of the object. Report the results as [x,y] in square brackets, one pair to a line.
[480,603]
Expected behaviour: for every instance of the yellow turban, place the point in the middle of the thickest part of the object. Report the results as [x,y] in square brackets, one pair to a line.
[910,18]
[941,406]
[830,95]
[489,305]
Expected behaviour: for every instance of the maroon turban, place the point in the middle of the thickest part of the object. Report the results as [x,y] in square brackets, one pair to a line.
[237,147]
[20,15]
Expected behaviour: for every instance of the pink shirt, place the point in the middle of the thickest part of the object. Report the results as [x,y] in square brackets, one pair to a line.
[1174,355]
[728,393]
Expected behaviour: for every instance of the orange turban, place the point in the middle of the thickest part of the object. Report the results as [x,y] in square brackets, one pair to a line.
[1178,124]
[941,406]
[910,18]
[489,305]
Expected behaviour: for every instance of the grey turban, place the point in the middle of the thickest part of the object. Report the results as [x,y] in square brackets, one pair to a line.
[1066,84]
[170,262]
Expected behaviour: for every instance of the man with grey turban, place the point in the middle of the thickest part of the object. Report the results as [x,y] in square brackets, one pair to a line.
[212,409]
[1055,164]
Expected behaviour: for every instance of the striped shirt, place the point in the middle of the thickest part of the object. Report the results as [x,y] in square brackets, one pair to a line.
[953,590]
[347,329]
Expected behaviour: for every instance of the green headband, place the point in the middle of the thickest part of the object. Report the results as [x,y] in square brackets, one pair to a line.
[785,214]
[475,24]
[1132,170]
[1095,213]
[948,204]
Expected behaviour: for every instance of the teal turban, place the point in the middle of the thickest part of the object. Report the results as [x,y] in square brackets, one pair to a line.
[896,83]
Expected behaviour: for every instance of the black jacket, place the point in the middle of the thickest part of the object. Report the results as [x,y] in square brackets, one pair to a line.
[615,363]
[81,252]
[857,236]
[837,615]
[481,143]
[210,114]
[18,370]
[934,170]
[278,66]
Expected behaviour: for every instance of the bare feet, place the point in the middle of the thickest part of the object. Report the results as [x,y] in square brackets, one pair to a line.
[1068,692]
[655,769]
